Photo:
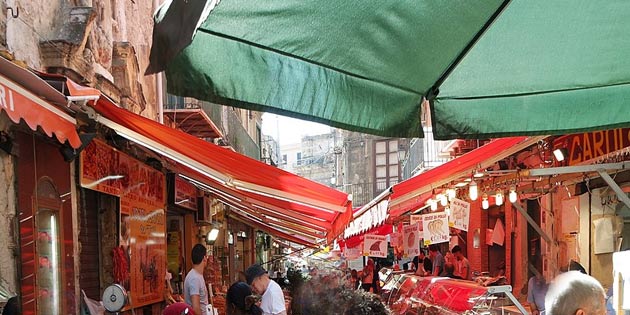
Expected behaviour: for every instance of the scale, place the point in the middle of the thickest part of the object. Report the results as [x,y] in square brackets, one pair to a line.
[114,298]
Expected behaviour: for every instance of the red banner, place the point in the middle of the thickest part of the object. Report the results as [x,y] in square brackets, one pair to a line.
[590,146]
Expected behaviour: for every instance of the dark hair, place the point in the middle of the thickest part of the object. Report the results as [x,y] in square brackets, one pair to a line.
[434,248]
[456,249]
[198,253]
[12,307]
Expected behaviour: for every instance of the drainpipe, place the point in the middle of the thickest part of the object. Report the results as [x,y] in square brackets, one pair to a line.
[158,81]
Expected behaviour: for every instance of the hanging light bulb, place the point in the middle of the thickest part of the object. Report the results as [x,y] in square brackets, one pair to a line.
[451,193]
[513,196]
[443,200]
[485,204]
[498,197]
[447,210]
[433,204]
[473,192]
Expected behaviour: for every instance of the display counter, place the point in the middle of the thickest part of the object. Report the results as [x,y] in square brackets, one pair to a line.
[411,294]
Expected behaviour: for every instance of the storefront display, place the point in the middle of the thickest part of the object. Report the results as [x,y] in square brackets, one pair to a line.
[142,194]
[412,294]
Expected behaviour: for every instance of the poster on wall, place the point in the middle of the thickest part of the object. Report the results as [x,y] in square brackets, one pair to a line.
[375,246]
[460,214]
[411,240]
[416,218]
[435,228]
[142,193]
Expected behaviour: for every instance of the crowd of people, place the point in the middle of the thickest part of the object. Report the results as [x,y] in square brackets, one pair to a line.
[349,292]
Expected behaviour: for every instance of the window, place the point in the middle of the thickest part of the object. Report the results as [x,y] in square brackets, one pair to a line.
[386,164]
[284,159]
[299,158]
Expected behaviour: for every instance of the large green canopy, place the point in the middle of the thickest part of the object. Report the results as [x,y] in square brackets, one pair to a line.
[488,68]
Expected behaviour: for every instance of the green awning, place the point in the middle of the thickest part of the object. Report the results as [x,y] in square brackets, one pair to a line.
[536,68]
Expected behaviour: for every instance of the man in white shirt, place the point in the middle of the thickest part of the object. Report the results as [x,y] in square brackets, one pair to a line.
[195,291]
[272,297]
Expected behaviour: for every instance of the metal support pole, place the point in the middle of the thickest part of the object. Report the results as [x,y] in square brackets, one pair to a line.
[532,223]
[620,194]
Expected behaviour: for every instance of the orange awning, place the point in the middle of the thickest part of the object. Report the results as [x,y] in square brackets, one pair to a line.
[414,192]
[24,96]
[260,194]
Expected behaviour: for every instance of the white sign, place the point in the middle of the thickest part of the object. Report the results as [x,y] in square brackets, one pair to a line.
[375,245]
[435,228]
[416,218]
[411,240]
[352,253]
[460,214]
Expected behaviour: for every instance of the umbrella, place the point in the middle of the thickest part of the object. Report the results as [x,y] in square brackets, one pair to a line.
[487,68]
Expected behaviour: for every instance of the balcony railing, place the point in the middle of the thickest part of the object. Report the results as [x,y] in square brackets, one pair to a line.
[364,192]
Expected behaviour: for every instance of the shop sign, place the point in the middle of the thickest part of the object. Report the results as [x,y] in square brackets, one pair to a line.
[460,214]
[184,194]
[416,218]
[375,245]
[142,192]
[595,145]
[435,228]
[411,240]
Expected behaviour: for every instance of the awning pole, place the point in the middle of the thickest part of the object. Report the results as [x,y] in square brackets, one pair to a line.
[532,222]
[611,182]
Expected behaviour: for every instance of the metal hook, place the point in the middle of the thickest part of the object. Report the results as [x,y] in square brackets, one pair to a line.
[14,14]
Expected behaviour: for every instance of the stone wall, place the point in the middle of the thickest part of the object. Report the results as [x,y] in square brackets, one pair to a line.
[7,217]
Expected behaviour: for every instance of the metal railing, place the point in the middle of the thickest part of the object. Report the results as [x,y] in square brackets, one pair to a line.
[363,193]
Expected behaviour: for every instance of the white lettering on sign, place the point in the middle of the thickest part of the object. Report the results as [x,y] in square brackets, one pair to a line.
[8,104]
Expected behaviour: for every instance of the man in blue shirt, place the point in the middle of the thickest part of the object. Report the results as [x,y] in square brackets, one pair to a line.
[536,291]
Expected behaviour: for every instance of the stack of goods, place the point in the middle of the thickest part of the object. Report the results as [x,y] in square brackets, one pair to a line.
[212,274]
[219,303]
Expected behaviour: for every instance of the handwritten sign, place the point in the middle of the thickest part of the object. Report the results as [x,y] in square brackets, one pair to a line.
[411,240]
[375,245]
[460,214]
[352,253]
[416,218]
[435,228]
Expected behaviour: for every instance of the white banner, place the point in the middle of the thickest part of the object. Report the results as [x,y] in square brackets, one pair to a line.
[411,240]
[373,217]
[375,245]
[435,228]
[460,214]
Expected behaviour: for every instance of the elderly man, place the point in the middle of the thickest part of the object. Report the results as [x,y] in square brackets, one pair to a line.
[272,297]
[574,293]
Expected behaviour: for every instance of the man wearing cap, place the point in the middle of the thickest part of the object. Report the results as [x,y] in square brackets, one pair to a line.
[195,291]
[272,297]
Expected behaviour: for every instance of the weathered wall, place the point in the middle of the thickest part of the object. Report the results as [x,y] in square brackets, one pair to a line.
[7,217]
[35,23]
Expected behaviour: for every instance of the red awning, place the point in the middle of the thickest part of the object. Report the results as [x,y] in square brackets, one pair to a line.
[25,96]
[262,194]
[414,192]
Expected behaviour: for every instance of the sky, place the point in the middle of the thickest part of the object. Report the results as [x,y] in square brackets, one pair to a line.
[290,130]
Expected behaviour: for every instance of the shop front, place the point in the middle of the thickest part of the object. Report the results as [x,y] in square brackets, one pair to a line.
[39,240]
[127,198]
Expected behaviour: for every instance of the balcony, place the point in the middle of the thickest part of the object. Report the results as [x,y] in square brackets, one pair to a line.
[228,125]
[364,192]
